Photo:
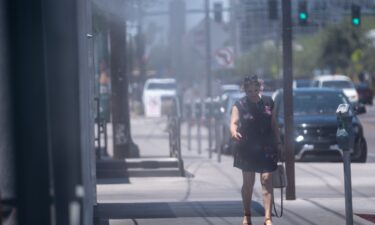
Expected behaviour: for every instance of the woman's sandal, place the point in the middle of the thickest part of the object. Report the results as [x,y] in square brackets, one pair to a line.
[268,221]
[247,220]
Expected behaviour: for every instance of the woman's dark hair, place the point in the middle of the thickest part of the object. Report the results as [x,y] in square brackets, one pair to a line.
[252,80]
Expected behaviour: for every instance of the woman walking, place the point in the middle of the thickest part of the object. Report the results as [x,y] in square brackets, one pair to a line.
[256,139]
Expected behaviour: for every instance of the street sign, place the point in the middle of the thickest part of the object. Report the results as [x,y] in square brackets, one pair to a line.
[225,57]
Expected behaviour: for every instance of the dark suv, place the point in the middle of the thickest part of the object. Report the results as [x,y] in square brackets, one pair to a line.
[315,123]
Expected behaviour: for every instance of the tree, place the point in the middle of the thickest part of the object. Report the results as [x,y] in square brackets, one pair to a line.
[338,44]
[306,55]
[263,60]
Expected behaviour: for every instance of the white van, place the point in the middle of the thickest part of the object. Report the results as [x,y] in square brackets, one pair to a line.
[158,92]
[341,82]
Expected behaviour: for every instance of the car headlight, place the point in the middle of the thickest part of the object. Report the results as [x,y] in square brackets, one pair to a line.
[300,138]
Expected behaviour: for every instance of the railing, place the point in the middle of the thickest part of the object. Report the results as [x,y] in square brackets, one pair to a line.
[197,113]
[101,134]
[174,133]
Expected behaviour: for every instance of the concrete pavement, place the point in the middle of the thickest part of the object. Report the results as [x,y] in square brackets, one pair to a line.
[210,193]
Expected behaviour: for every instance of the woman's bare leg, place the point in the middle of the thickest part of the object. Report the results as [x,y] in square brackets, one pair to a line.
[266,181]
[247,191]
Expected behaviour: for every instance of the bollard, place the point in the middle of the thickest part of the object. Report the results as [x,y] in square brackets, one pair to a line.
[199,121]
[98,150]
[345,140]
[189,123]
[209,109]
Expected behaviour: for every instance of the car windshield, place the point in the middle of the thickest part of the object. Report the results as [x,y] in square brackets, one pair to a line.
[338,84]
[316,103]
[161,86]
[303,83]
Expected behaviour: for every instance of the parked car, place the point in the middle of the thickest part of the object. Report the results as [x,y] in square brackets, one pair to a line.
[365,93]
[230,88]
[315,123]
[158,94]
[341,82]
[301,83]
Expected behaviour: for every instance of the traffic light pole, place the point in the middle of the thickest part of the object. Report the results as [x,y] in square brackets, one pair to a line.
[208,73]
[288,97]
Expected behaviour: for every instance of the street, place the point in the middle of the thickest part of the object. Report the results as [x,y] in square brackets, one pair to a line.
[368,122]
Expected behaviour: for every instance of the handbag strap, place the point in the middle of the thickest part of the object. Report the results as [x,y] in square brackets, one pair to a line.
[282,201]
[281,206]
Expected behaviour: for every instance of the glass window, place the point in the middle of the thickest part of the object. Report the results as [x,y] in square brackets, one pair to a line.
[338,84]
[162,86]
[316,103]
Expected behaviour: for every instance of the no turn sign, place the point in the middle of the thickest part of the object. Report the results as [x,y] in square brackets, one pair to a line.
[225,57]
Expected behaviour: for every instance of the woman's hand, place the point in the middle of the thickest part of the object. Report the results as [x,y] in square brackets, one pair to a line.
[236,135]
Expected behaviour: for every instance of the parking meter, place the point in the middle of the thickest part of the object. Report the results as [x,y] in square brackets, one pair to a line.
[345,140]
[344,135]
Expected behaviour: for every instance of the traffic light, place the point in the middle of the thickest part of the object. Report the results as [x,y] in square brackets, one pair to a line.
[303,15]
[272,10]
[218,12]
[356,15]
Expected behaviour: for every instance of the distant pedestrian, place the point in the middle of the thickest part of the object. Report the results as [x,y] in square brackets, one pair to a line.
[256,143]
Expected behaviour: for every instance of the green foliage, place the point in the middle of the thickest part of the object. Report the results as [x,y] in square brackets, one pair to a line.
[340,48]
[339,44]
[306,55]
[263,60]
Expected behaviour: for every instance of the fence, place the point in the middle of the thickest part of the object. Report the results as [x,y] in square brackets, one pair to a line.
[174,133]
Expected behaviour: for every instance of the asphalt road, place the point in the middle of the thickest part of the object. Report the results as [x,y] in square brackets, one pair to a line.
[368,122]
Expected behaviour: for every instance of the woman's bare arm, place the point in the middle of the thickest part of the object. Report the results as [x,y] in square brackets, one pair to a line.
[275,128]
[234,119]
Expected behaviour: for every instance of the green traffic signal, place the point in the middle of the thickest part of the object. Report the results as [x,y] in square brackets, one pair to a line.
[356,21]
[302,16]
[356,15]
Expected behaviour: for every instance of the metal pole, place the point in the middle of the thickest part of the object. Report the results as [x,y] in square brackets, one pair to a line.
[218,138]
[288,98]
[199,119]
[99,134]
[140,47]
[208,73]
[348,188]
[189,123]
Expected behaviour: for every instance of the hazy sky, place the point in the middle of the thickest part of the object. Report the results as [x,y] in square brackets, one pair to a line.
[162,21]
[199,4]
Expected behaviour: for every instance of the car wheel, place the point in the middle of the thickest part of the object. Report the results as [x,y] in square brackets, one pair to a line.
[360,151]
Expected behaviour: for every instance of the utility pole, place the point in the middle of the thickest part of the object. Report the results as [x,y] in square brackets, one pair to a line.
[208,73]
[288,98]
[122,141]
[177,24]
[140,45]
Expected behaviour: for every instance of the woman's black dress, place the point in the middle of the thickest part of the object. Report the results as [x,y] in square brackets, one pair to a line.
[257,150]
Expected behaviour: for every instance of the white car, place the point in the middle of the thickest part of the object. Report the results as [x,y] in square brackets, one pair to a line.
[341,82]
[157,93]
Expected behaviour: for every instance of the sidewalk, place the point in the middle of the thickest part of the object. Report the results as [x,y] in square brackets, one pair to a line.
[210,194]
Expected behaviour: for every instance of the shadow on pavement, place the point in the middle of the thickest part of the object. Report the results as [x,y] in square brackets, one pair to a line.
[174,209]
[113,181]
